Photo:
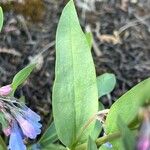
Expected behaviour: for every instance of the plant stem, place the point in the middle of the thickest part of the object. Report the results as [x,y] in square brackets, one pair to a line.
[101,140]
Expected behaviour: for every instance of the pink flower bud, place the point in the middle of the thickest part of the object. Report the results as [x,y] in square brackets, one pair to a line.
[5,90]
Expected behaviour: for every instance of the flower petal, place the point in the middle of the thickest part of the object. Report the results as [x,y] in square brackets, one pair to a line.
[16,141]
[27,128]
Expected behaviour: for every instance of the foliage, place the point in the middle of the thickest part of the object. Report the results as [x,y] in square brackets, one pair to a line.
[75,97]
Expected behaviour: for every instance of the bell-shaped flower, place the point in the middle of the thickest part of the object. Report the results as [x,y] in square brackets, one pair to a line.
[31,115]
[27,127]
[16,141]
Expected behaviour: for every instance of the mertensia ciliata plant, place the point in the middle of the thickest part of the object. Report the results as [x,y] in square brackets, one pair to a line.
[80,121]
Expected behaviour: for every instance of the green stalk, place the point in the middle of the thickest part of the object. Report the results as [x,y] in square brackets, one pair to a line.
[101,140]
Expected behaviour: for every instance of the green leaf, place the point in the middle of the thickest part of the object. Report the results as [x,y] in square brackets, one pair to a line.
[75,97]
[91,144]
[89,38]
[3,121]
[2,144]
[97,130]
[128,138]
[21,76]
[98,126]
[49,136]
[127,106]
[105,83]
[1,18]
[54,147]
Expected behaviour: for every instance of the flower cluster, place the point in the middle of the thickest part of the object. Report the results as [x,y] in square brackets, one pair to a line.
[19,121]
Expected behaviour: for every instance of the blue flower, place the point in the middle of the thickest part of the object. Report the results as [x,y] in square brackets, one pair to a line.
[29,128]
[22,121]
[16,141]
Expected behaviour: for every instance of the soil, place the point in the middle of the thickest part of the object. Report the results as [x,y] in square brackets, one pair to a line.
[121,33]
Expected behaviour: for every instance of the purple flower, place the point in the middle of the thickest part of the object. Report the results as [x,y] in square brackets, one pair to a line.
[22,121]
[29,129]
[16,141]
[31,115]
[144,143]
[144,137]
[144,134]
[5,90]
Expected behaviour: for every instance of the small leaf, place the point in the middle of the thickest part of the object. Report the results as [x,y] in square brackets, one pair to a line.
[91,144]
[98,126]
[21,76]
[89,38]
[127,106]
[105,83]
[49,136]
[3,121]
[1,18]
[97,130]
[75,97]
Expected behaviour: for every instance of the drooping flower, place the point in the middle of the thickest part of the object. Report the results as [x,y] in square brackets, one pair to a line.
[22,122]
[29,114]
[5,90]
[15,141]
[29,128]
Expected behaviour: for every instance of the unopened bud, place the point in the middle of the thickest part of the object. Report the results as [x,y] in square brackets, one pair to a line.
[5,90]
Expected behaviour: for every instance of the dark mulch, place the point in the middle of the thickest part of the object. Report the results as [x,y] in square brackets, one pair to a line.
[30,34]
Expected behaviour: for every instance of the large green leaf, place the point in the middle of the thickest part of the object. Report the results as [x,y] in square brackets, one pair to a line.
[91,144]
[22,75]
[75,97]
[127,106]
[49,136]
[1,19]
[105,83]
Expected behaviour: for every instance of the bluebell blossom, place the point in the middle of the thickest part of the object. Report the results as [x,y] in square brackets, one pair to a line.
[16,141]
[22,122]
[27,128]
